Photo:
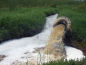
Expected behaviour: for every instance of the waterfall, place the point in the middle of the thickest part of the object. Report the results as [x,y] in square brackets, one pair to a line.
[20,50]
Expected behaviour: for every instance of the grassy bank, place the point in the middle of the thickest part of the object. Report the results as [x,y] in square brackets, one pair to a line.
[22,22]
[38,3]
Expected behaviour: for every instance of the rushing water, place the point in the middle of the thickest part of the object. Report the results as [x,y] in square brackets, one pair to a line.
[22,49]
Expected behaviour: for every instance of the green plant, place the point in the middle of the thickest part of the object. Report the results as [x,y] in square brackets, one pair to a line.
[70,62]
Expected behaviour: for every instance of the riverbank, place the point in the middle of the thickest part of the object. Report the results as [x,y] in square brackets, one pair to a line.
[22,22]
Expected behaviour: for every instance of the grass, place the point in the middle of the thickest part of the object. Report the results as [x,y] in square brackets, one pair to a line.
[22,22]
[70,62]
[60,62]
[19,23]
[31,3]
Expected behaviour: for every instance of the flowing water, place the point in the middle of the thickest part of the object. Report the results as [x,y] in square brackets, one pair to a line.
[21,50]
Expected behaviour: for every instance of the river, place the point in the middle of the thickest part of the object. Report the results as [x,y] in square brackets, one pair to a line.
[21,50]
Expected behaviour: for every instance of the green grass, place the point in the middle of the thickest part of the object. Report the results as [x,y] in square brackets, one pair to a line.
[31,3]
[22,22]
[71,62]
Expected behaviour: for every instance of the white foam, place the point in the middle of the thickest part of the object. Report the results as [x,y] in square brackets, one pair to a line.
[73,53]
[15,49]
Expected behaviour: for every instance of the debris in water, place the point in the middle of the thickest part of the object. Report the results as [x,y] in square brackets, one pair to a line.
[2,57]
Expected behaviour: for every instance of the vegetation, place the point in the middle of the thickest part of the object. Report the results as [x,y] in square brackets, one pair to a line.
[70,62]
[22,22]
[31,3]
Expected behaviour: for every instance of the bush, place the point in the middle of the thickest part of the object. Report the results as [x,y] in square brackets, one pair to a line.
[4,35]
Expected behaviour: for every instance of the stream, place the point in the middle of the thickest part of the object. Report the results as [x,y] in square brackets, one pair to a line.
[20,50]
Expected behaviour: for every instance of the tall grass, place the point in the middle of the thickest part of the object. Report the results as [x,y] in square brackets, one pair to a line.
[22,22]
[70,62]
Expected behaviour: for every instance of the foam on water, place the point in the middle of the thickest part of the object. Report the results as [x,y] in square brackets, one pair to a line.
[20,49]
[73,53]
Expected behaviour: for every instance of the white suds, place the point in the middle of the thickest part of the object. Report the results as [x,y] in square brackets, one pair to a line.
[21,49]
[73,53]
